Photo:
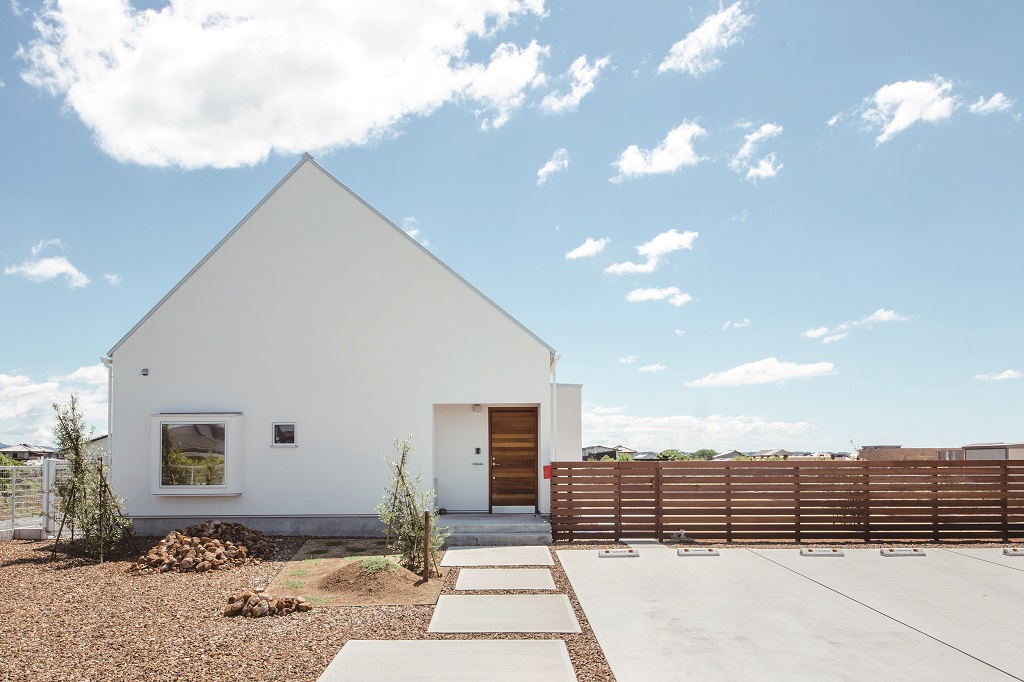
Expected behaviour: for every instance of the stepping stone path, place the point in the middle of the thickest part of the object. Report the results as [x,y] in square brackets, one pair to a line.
[512,660]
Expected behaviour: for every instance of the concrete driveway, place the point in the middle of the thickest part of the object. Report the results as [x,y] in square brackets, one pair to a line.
[775,615]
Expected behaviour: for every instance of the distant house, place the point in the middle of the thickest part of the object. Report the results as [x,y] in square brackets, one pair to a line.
[264,387]
[24,452]
[728,454]
[994,451]
[765,454]
[593,452]
[645,456]
[898,452]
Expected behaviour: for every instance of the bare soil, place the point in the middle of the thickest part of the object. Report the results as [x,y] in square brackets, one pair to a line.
[328,572]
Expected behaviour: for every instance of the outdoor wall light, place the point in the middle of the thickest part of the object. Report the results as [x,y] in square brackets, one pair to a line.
[145,371]
[477,409]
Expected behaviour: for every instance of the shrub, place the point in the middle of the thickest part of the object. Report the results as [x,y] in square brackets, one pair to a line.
[403,509]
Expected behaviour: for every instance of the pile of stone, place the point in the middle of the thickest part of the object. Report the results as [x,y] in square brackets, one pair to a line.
[237,533]
[208,546]
[258,604]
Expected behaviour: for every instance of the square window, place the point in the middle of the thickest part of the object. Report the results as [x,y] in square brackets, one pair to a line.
[284,433]
[194,454]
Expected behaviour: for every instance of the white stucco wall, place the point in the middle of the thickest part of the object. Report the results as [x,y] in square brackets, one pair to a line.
[318,312]
[569,423]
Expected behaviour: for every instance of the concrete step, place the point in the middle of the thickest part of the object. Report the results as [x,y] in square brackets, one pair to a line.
[497,539]
[496,529]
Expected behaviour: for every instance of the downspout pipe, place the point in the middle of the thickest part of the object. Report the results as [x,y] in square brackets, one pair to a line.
[554,404]
[109,364]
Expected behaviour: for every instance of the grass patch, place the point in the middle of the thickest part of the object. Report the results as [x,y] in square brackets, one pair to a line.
[381,542]
[356,550]
[294,584]
[317,601]
[311,561]
[332,543]
[316,551]
[375,564]
[299,572]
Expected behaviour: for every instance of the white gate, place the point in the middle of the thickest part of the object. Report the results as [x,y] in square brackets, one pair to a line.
[27,499]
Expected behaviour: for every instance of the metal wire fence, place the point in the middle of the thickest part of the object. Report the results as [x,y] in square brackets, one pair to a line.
[27,494]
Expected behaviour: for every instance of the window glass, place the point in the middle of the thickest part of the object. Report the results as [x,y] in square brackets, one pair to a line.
[192,453]
[284,434]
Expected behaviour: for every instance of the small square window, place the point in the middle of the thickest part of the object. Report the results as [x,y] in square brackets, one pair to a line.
[284,433]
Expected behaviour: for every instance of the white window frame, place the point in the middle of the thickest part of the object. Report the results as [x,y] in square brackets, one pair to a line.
[295,435]
[232,448]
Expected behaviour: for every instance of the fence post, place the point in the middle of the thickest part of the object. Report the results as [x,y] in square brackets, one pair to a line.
[14,496]
[728,502]
[935,501]
[1004,493]
[426,546]
[658,517]
[796,479]
[48,474]
[618,501]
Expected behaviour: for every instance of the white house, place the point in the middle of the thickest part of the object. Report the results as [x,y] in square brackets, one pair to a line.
[266,385]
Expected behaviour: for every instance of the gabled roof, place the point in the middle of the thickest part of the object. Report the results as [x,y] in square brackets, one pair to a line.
[308,158]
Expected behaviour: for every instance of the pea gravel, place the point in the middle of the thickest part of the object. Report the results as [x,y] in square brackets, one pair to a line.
[79,621]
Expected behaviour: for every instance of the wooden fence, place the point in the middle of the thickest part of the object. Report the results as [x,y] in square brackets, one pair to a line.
[789,500]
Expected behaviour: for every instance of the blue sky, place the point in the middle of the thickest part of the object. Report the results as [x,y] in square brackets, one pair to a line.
[742,225]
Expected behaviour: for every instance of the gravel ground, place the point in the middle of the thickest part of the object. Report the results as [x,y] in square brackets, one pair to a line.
[75,620]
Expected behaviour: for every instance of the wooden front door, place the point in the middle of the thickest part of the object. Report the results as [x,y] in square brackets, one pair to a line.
[513,468]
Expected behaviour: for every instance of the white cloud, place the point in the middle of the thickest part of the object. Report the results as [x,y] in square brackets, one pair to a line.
[696,54]
[654,250]
[591,247]
[582,80]
[1000,376]
[836,118]
[830,335]
[996,103]
[92,374]
[26,412]
[767,371]
[614,425]
[261,77]
[43,269]
[44,243]
[670,294]
[741,217]
[897,106]
[501,85]
[559,161]
[765,167]
[657,367]
[628,360]
[736,325]
[412,229]
[679,332]
[113,279]
[674,152]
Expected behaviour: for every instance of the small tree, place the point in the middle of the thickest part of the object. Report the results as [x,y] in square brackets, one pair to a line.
[6,461]
[84,500]
[705,454]
[403,509]
[671,455]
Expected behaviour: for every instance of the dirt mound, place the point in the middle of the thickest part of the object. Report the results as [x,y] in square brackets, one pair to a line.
[354,581]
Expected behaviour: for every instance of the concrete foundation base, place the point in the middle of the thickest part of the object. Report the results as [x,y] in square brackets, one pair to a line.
[315,526]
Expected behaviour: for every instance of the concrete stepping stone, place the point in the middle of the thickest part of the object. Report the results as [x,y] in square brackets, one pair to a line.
[505,579]
[503,613]
[438,660]
[521,555]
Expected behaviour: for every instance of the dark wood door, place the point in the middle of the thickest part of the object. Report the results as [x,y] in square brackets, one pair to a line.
[513,469]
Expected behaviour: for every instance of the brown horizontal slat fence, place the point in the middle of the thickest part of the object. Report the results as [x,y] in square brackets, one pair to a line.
[789,500]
